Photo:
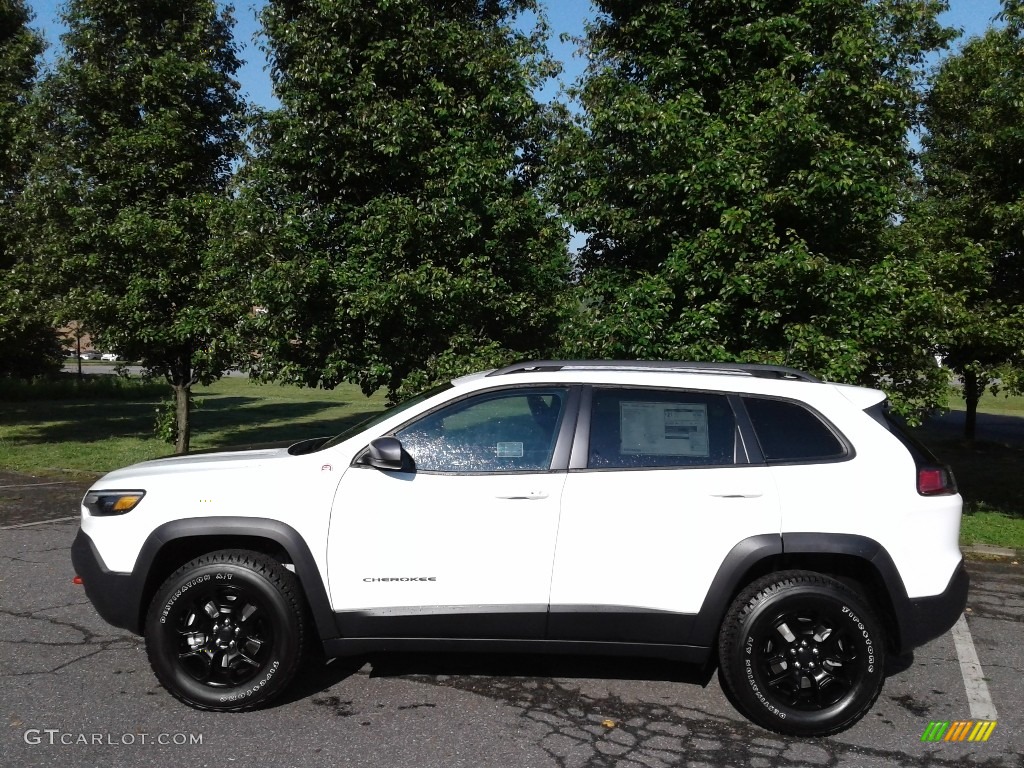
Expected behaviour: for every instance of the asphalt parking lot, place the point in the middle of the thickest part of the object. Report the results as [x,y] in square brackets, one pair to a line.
[80,692]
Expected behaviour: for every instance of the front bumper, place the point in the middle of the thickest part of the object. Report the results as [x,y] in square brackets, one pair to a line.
[116,596]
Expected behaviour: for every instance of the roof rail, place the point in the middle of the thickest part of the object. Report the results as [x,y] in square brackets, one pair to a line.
[757,370]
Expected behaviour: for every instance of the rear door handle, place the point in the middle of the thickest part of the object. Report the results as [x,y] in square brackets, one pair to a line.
[751,495]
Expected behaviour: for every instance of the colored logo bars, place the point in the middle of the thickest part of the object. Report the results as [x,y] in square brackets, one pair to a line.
[959,730]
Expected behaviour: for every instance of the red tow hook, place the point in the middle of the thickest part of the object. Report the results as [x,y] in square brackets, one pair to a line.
[77,580]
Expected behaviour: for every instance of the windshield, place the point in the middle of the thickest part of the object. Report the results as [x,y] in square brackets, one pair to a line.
[374,420]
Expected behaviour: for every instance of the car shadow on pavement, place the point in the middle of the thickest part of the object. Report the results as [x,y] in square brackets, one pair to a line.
[318,675]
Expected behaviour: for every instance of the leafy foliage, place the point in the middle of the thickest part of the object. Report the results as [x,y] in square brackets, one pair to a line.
[972,215]
[394,196]
[28,343]
[737,169]
[142,119]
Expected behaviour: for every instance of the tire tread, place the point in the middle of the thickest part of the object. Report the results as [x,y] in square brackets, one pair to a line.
[277,575]
[746,602]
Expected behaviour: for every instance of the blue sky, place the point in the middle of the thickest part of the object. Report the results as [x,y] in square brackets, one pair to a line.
[565,16]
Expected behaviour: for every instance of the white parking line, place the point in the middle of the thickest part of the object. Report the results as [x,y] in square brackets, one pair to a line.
[978,697]
[32,485]
[38,522]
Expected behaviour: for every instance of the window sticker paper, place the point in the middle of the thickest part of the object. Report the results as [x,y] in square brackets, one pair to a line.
[663,429]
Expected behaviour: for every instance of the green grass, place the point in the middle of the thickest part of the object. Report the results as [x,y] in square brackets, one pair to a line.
[100,433]
[1008,405]
[983,526]
[67,386]
[990,474]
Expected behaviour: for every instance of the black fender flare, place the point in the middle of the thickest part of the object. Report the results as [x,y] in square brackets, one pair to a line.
[118,597]
[914,621]
[745,556]
[254,527]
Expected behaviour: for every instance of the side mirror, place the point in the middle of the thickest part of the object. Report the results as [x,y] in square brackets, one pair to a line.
[385,453]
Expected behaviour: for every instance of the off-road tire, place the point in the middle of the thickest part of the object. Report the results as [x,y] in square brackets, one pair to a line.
[801,653]
[226,632]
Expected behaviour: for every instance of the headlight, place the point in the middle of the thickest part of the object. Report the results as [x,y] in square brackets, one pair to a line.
[106,503]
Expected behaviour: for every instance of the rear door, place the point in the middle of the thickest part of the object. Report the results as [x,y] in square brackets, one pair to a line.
[660,491]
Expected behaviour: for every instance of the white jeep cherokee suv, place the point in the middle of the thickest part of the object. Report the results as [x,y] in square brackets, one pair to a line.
[744,515]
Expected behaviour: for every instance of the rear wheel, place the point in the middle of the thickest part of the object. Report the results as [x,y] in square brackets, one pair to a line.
[801,653]
[226,631]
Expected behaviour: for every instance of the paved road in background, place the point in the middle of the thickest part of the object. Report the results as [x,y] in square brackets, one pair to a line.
[77,692]
[27,499]
[109,368]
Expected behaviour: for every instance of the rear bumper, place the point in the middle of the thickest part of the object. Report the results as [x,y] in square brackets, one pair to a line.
[924,618]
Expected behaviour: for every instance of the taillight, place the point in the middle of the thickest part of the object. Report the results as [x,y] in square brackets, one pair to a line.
[935,481]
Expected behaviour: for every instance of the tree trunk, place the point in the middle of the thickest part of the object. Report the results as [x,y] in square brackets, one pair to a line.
[182,411]
[972,394]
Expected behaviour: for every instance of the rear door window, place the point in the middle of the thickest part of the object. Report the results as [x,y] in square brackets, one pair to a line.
[636,428]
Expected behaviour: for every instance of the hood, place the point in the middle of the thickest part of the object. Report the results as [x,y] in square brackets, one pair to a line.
[204,462]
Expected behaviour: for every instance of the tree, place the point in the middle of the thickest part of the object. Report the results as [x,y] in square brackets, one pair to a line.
[737,168]
[142,120]
[972,215]
[28,341]
[395,194]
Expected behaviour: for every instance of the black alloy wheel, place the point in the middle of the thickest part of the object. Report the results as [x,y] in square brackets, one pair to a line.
[225,631]
[801,653]
[224,635]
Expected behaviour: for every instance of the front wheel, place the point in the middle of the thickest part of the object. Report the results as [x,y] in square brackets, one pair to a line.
[801,654]
[225,632]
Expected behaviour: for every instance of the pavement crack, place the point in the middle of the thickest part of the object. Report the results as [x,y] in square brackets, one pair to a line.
[100,648]
[577,730]
[88,635]
[89,640]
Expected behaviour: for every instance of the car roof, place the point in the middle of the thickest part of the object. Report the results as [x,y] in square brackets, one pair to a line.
[753,378]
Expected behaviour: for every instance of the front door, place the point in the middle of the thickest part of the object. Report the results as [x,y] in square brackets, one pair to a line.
[461,542]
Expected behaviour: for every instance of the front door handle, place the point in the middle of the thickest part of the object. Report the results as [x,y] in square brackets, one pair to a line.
[751,495]
[527,496]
